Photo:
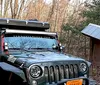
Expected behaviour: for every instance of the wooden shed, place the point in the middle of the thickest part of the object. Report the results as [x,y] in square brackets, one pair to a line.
[93,31]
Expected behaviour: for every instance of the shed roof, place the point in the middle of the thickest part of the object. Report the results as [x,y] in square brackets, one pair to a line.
[92,30]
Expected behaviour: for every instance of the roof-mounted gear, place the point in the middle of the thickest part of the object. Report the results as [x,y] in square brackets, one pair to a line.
[24,24]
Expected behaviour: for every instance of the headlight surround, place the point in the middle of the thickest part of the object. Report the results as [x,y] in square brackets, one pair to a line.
[35,71]
[83,67]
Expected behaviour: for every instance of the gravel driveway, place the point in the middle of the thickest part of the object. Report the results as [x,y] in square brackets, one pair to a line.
[93,82]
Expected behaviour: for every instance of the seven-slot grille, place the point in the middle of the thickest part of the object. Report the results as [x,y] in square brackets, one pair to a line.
[56,73]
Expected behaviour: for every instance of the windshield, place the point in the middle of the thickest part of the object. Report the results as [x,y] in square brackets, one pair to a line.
[29,42]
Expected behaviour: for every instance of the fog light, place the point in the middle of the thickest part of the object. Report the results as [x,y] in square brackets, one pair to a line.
[34,83]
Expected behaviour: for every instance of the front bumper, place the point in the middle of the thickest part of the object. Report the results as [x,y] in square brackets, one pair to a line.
[63,81]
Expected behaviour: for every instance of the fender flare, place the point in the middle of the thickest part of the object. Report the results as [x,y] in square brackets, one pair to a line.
[13,69]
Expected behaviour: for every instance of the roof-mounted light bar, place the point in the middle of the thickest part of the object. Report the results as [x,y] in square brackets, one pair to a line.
[13,31]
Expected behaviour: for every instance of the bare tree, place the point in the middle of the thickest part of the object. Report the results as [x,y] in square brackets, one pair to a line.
[51,11]
[12,8]
[16,8]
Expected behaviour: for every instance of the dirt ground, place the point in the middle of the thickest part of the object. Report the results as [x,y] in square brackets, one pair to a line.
[95,74]
[97,79]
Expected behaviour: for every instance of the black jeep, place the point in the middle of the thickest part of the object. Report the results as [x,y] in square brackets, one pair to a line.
[31,55]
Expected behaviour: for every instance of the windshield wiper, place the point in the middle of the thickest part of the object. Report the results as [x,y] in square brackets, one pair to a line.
[40,49]
[26,50]
[45,49]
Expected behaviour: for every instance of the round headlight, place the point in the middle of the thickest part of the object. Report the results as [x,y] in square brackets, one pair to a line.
[35,71]
[83,67]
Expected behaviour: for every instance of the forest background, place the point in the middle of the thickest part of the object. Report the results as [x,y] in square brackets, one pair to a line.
[66,17]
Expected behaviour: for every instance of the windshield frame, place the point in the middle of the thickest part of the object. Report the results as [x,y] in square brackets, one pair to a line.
[36,36]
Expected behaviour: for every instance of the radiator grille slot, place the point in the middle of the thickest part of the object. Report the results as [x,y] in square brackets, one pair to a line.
[56,73]
[46,72]
[66,72]
[76,71]
[61,72]
[71,71]
[51,73]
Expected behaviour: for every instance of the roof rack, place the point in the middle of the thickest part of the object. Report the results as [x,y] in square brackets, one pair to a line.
[24,24]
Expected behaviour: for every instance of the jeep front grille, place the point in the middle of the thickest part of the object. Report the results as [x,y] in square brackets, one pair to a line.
[56,73]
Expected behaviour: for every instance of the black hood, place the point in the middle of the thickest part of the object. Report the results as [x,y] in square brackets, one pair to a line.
[45,57]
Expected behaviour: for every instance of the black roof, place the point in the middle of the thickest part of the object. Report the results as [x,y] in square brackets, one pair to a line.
[24,24]
[92,30]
